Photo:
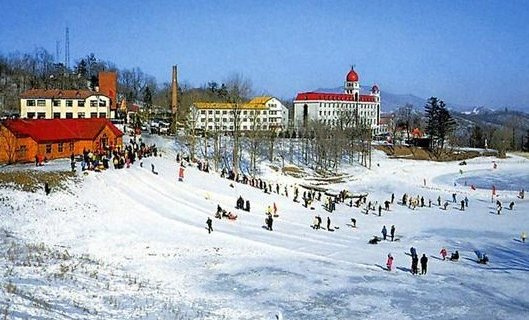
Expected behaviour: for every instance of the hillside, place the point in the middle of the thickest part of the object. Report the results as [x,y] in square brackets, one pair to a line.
[130,242]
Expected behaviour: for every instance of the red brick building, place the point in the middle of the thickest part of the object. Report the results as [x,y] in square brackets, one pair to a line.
[23,139]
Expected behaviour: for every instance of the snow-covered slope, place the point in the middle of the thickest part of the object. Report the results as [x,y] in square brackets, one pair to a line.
[131,244]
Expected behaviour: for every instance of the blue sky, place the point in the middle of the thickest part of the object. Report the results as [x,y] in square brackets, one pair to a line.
[465,52]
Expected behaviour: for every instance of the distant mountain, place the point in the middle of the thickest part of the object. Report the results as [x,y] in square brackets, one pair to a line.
[391,101]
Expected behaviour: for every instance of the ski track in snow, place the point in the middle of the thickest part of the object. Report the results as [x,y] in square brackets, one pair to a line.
[138,248]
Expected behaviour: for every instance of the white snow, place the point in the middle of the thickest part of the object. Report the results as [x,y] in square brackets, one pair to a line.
[130,244]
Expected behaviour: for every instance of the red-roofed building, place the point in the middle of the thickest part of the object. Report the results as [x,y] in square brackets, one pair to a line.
[63,104]
[339,109]
[21,140]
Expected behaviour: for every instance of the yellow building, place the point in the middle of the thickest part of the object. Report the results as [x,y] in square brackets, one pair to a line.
[260,113]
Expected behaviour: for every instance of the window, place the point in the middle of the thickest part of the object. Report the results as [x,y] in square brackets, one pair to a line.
[41,115]
[69,103]
[210,112]
[245,112]
[71,146]
[264,112]
[48,148]
[102,103]
[80,103]
[210,127]
[231,127]
[56,103]
[224,112]
[56,115]
[21,152]
[30,103]
[30,115]
[80,115]
[203,112]
[217,112]
[93,114]
[102,115]
[60,147]
[69,115]
[93,103]
[41,103]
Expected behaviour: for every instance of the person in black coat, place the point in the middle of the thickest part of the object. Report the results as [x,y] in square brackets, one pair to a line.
[414,265]
[209,223]
[424,263]
[47,189]
[392,232]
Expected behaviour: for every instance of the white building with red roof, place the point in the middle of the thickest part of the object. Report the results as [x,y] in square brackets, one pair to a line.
[64,104]
[347,109]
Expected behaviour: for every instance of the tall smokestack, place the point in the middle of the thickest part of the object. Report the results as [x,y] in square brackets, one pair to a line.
[174,91]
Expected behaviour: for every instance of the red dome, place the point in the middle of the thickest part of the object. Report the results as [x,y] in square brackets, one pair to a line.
[352,76]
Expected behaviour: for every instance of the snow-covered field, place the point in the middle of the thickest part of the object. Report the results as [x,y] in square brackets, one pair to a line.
[130,244]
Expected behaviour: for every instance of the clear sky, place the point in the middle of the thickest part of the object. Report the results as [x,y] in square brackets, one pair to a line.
[465,52]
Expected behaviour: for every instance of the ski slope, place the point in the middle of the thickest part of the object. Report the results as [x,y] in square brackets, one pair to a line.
[130,244]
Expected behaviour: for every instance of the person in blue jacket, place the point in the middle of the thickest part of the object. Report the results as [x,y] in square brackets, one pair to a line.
[384,232]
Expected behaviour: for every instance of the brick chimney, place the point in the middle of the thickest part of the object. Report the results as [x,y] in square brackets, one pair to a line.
[174,91]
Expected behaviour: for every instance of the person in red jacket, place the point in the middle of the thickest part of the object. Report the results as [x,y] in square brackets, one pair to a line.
[443,253]
[389,262]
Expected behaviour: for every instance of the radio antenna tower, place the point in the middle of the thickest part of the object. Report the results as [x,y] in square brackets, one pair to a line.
[67,49]
[57,51]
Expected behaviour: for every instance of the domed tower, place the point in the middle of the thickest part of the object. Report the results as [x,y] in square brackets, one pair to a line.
[352,86]
[375,91]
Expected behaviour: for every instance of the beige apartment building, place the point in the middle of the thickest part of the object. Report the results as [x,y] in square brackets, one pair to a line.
[64,104]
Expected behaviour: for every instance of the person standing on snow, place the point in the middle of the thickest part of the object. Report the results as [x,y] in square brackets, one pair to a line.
[466,202]
[443,253]
[414,265]
[392,232]
[209,223]
[384,232]
[328,224]
[413,252]
[462,205]
[439,201]
[389,262]
[392,198]
[524,236]
[424,263]
[379,210]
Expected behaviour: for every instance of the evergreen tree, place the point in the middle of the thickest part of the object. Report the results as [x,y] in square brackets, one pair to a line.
[147,98]
[476,137]
[526,144]
[439,123]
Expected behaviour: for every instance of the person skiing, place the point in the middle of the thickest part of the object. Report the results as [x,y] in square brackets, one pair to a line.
[443,253]
[329,224]
[424,263]
[413,251]
[466,202]
[414,265]
[384,232]
[445,205]
[392,232]
[439,201]
[389,262]
[379,210]
[209,222]
[392,198]
[386,205]
[462,205]
[524,236]
[47,188]
[454,197]
[511,205]
[353,222]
